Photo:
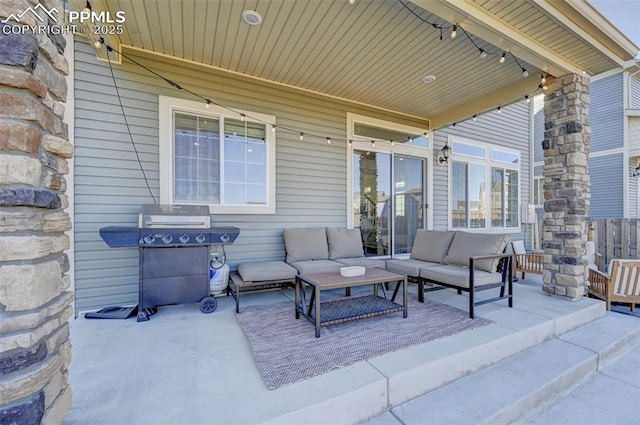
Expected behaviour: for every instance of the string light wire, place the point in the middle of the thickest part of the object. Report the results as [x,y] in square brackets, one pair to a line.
[301,134]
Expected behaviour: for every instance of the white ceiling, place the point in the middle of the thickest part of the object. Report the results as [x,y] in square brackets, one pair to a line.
[374,52]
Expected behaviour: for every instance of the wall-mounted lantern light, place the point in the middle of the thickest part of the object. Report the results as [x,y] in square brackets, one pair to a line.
[445,152]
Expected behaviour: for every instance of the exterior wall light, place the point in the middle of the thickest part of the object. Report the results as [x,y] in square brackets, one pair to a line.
[445,152]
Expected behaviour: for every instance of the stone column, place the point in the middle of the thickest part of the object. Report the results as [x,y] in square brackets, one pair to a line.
[566,186]
[35,301]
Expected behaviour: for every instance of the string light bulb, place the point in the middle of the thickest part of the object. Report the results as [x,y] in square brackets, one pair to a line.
[352,2]
[273,128]
[373,143]
[543,79]
[208,103]
[499,109]
[98,43]
[483,54]
[87,8]
[454,32]
[475,118]
[503,58]
[525,73]
[301,135]
[350,142]
[527,99]
[242,117]
[328,140]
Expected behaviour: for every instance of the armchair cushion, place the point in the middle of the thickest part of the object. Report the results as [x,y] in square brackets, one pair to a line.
[466,245]
[431,245]
[459,276]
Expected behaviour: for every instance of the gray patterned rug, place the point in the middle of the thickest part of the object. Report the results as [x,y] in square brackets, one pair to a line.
[286,350]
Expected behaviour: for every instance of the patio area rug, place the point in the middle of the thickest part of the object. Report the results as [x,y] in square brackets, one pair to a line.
[286,350]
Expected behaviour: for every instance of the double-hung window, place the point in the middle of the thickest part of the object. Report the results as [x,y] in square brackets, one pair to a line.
[216,157]
[484,186]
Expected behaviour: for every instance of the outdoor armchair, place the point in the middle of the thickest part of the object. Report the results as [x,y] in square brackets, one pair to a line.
[621,284]
[527,262]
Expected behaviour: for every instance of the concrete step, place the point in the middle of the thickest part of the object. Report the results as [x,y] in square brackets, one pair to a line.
[516,386]
[607,397]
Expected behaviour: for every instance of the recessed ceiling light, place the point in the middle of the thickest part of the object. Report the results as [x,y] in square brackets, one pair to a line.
[428,79]
[251,17]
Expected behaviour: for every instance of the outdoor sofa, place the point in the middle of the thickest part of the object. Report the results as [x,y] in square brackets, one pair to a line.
[465,261]
[326,249]
[308,250]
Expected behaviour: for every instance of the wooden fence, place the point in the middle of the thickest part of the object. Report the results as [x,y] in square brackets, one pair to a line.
[614,237]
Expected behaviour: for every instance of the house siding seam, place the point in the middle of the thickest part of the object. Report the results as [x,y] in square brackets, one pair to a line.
[311,178]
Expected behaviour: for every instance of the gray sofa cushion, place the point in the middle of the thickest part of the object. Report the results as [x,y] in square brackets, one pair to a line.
[431,245]
[465,245]
[459,276]
[306,244]
[362,261]
[316,266]
[408,266]
[266,270]
[344,243]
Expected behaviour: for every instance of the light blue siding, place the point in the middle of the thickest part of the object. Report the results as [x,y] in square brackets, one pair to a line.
[606,186]
[538,128]
[633,190]
[607,113]
[634,93]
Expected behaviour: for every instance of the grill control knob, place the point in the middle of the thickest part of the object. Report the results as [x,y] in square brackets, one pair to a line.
[225,238]
[184,238]
[200,238]
[149,239]
[167,239]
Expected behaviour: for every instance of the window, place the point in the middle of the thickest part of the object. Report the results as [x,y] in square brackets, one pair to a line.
[538,190]
[215,157]
[480,176]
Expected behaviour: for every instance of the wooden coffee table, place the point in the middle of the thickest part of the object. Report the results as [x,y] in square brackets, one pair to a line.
[349,308]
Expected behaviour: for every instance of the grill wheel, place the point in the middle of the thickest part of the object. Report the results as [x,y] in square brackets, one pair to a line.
[208,305]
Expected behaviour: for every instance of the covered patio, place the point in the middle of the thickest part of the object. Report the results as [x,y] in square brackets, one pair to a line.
[314,86]
[186,367]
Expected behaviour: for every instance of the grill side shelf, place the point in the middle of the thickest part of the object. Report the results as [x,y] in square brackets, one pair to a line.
[120,236]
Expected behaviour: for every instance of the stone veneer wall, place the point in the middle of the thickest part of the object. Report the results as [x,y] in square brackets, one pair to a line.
[35,302]
[566,186]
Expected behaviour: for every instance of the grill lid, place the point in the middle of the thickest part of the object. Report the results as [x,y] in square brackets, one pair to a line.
[154,216]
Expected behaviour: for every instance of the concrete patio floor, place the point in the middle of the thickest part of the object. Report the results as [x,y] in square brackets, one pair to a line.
[185,367]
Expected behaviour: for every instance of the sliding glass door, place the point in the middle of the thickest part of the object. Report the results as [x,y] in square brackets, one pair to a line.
[388,200]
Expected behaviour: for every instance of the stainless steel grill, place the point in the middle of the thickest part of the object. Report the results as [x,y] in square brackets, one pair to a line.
[175,249]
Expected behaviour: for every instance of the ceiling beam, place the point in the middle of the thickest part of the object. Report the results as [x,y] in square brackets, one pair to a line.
[481,104]
[481,23]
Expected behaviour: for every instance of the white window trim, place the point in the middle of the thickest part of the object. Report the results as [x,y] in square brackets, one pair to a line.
[166,108]
[385,147]
[489,164]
